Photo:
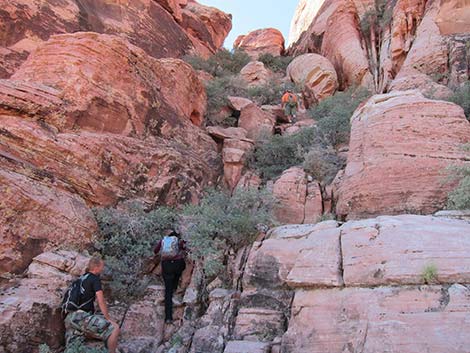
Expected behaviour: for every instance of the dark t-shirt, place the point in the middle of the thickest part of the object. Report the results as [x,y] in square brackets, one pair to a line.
[91,284]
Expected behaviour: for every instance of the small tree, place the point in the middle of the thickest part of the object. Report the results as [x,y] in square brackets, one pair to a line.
[221,64]
[222,222]
[461,96]
[459,198]
[275,63]
[126,239]
[429,274]
[334,114]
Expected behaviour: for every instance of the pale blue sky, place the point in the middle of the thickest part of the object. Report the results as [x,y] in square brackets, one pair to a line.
[249,15]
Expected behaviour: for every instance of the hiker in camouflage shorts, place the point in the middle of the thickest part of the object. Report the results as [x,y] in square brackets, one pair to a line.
[85,323]
[81,325]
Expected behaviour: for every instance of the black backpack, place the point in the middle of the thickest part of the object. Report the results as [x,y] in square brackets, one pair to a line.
[73,295]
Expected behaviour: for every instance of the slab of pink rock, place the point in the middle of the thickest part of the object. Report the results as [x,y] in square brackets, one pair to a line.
[401,144]
[255,74]
[255,121]
[296,256]
[430,319]
[397,250]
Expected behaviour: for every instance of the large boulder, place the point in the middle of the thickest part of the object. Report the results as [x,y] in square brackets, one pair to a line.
[234,155]
[255,121]
[255,74]
[316,74]
[261,41]
[400,145]
[298,199]
[30,308]
[385,319]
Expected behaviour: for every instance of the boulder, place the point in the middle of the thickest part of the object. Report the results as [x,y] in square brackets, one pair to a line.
[35,216]
[398,250]
[342,46]
[255,74]
[255,121]
[290,191]
[249,179]
[261,41]
[299,201]
[30,308]
[234,154]
[383,319]
[220,133]
[259,324]
[453,17]
[238,103]
[316,74]
[247,347]
[296,256]
[400,145]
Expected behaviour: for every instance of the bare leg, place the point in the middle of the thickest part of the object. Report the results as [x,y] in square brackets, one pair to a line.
[113,339]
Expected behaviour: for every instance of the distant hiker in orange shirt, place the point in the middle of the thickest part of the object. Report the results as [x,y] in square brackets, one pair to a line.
[290,103]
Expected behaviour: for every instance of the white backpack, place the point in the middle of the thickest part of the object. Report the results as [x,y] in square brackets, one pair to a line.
[170,247]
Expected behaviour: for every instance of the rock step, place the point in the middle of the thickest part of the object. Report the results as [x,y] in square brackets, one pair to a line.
[388,250]
[247,347]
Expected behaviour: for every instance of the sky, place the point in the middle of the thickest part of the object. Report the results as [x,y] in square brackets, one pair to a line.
[249,15]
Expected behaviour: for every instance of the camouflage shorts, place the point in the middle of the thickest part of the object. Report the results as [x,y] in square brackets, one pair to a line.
[80,325]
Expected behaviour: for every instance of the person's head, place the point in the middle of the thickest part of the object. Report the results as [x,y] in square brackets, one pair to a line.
[171,233]
[289,91]
[96,265]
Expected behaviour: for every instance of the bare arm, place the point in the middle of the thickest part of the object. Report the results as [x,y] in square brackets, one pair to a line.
[102,304]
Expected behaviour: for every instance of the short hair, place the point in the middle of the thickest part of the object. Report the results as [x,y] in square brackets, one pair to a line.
[94,262]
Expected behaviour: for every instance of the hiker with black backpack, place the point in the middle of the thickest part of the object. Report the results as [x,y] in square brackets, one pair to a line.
[81,320]
[171,250]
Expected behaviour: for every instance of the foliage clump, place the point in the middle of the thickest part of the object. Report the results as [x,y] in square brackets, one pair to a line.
[429,274]
[461,96]
[459,198]
[221,223]
[275,63]
[334,114]
[218,224]
[126,239]
[221,64]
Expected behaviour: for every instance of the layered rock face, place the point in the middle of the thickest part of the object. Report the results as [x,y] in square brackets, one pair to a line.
[106,124]
[151,25]
[412,37]
[332,272]
[401,144]
[261,41]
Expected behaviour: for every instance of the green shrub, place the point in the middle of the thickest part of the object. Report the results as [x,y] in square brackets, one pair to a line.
[218,90]
[380,15]
[461,96]
[221,222]
[126,239]
[334,113]
[459,198]
[269,93]
[429,274]
[278,153]
[223,63]
[323,164]
[275,63]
